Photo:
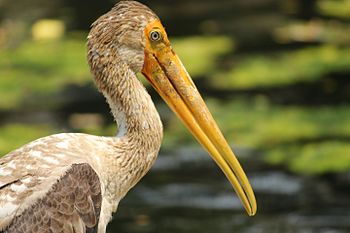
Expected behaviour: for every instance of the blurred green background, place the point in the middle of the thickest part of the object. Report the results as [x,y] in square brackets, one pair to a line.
[275,75]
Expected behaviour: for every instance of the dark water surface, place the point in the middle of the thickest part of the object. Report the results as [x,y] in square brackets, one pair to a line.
[185,192]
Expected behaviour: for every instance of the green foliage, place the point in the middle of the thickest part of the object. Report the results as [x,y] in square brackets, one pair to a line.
[339,8]
[313,158]
[285,68]
[13,136]
[40,67]
[316,30]
[199,54]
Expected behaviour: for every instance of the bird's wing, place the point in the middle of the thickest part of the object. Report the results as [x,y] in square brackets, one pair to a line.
[72,204]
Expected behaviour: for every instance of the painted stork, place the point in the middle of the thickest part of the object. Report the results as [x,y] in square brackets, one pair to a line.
[73,182]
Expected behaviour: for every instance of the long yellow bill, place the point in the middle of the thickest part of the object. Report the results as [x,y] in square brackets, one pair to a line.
[165,72]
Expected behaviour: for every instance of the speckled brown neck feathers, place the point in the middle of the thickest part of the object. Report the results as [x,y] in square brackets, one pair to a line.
[115,55]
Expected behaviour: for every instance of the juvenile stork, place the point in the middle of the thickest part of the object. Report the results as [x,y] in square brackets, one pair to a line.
[73,182]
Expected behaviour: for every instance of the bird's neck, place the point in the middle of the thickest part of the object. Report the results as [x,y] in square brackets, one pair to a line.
[132,107]
[140,129]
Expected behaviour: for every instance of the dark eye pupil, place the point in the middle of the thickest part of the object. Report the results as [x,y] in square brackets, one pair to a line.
[155,36]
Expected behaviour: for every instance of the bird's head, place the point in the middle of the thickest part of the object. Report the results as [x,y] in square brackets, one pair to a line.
[120,33]
[132,35]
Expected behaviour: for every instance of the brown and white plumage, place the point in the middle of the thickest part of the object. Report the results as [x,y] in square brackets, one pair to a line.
[72,204]
[74,182]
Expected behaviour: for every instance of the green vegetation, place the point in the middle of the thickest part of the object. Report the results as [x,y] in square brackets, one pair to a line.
[339,8]
[285,68]
[40,67]
[313,158]
[265,126]
[192,51]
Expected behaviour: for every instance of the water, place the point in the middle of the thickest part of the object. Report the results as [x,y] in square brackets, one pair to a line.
[186,192]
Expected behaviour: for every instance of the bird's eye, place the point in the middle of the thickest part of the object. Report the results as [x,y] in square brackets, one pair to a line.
[155,36]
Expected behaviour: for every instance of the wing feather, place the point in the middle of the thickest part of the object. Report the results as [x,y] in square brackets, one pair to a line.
[72,205]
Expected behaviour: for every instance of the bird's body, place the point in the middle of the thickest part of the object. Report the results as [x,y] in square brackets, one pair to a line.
[42,163]
[27,178]
[74,182]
